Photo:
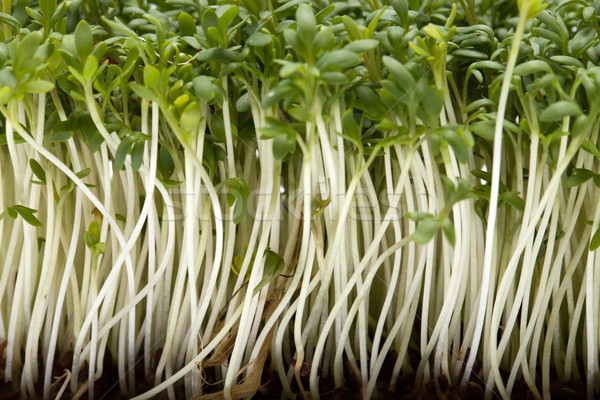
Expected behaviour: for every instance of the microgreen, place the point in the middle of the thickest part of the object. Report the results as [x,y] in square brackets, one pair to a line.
[363,193]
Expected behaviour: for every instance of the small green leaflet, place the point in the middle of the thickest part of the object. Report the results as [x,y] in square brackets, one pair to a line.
[92,238]
[274,264]
[595,242]
[25,212]
[38,171]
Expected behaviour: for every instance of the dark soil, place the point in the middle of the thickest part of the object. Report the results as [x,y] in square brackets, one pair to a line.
[107,388]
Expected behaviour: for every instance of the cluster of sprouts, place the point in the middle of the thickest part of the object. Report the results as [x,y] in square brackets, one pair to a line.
[216,199]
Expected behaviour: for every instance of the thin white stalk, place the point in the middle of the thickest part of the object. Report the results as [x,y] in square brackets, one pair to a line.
[493,203]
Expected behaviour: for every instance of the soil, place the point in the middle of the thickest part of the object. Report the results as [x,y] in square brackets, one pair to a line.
[107,388]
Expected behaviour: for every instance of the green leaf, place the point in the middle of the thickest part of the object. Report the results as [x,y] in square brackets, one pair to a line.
[371,103]
[535,7]
[399,72]
[560,110]
[130,63]
[448,229]
[215,35]
[27,214]
[92,236]
[493,65]
[60,136]
[259,39]
[274,265]
[181,101]
[187,24]
[591,148]
[307,24]
[170,182]
[89,68]
[209,20]
[191,116]
[352,29]
[582,41]
[271,132]
[38,86]
[83,173]
[283,145]
[547,34]
[283,90]
[401,8]
[478,104]
[418,216]
[567,60]
[44,52]
[288,5]
[121,153]
[334,77]
[26,49]
[324,39]
[204,88]
[432,102]
[426,230]
[219,54]
[8,78]
[350,126]
[580,126]
[290,37]
[37,169]
[484,129]
[84,40]
[338,58]
[99,50]
[483,175]
[579,177]
[137,154]
[243,103]
[90,132]
[595,242]
[470,54]
[226,18]
[12,213]
[165,164]
[387,125]
[362,46]
[5,95]
[99,248]
[459,192]
[217,128]
[144,92]
[457,143]
[532,67]
[324,12]
[289,68]
[10,21]
[477,74]
[119,26]
[300,113]
[550,21]
[151,76]
[513,199]
[47,7]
